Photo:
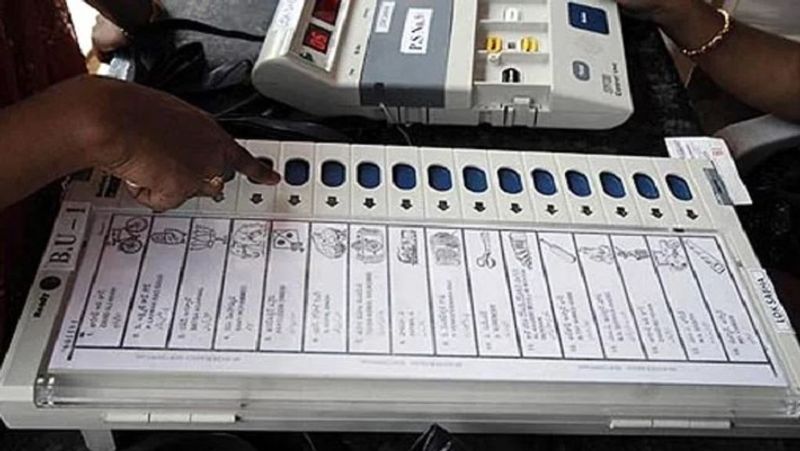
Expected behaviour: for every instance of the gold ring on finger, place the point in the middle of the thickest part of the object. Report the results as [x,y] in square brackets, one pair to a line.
[216,182]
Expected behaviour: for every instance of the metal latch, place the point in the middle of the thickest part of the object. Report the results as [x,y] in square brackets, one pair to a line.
[170,417]
[668,423]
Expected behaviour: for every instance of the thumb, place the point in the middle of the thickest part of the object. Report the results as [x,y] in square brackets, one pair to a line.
[252,167]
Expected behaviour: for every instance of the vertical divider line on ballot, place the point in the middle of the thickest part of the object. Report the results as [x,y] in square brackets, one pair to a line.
[347,293]
[589,296]
[430,289]
[705,301]
[179,285]
[469,292]
[549,294]
[387,253]
[744,305]
[510,293]
[628,297]
[666,297]
[91,285]
[267,266]
[309,250]
[222,285]
[135,290]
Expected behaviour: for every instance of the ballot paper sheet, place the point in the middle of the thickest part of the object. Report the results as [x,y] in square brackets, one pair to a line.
[156,294]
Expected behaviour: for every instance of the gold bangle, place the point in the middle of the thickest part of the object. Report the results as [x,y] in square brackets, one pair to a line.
[716,40]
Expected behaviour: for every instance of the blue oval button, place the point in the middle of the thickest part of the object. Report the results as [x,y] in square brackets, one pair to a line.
[404,176]
[297,172]
[475,179]
[578,184]
[369,175]
[510,181]
[544,182]
[612,185]
[679,187]
[439,178]
[645,186]
[333,173]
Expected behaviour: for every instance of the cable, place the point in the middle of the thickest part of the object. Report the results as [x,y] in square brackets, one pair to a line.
[165,25]
[398,126]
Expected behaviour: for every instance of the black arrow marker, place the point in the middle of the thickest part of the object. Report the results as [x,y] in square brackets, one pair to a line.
[332,201]
[622,212]
[480,207]
[691,214]
[551,209]
[656,212]
[256,198]
[516,208]
[406,204]
[586,210]
[294,200]
[443,205]
[369,203]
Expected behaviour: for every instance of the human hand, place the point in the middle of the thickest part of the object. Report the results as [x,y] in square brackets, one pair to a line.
[107,38]
[166,150]
[656,10]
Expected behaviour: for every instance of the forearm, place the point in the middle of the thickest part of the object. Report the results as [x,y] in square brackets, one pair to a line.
[41,140]
[760,69]
[128,14]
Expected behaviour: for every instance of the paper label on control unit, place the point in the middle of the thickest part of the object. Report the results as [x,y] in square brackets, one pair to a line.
[416,31]
[287,14]
[383,23]
[380,300]
[768,296]
[717,151]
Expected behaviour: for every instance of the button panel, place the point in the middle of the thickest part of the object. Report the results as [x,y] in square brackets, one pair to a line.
[368,181]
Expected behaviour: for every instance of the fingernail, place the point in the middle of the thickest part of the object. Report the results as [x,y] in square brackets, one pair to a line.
[272,178]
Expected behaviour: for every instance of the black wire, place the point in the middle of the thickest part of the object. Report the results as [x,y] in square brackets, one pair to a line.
[164,25]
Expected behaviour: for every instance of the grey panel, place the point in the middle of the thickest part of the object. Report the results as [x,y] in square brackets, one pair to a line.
[395,78]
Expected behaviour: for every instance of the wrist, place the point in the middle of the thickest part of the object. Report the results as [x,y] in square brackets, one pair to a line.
[95,121]
[676,11]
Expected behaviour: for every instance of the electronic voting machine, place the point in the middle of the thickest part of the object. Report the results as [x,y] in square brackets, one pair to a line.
[528,63]
[387,288]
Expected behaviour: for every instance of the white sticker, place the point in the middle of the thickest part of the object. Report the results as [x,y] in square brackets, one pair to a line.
[287,14]
[717,151]
[384,20]
[768,296]
[65,241]
[416,31]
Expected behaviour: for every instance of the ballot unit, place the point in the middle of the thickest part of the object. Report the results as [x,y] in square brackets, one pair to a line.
[403,285]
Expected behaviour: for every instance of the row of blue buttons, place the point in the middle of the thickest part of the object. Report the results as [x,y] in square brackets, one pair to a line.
[404,176]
